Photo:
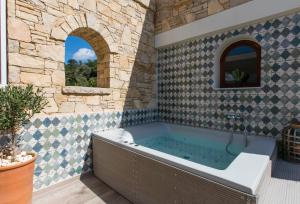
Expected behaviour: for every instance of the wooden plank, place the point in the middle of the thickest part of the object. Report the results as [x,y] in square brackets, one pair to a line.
[88,190]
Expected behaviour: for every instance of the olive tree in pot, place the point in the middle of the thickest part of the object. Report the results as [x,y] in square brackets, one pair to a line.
[18,104]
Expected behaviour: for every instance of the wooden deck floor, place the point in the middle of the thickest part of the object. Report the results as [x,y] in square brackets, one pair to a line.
[283,189]
[86,190]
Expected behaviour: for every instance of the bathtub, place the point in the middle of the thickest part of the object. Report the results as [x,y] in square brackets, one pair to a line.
[120,157]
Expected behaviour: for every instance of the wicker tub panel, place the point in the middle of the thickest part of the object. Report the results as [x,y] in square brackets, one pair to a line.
[144,180]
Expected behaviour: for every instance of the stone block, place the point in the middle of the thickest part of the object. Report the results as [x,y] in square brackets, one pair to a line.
[126,36]
[48,19]
[11,8]
[25,61]
[51,64]
[30,70]
[49,90]
[90,5]
[124,76]
[51,2]
[14,74]
[13,46]
[58,33]
[28,52]
[58,78]
[123,61]
[72,22]
[51,107]
[25,45]
[73,3]
[77,90]
[67,107]
[52,52]
[93,100]
[27,16]
[60,98]
[115,83]
[18,30]
[214,6]
[91,20]
[35,79]
[82,108]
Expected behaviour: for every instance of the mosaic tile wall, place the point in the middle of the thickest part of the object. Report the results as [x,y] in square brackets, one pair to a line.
[185,81]
[63,143]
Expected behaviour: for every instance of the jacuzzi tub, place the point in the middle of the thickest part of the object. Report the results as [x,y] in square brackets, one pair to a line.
[243,171]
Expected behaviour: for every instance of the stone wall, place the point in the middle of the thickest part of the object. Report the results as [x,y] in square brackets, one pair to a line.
[121,32]
[174,13]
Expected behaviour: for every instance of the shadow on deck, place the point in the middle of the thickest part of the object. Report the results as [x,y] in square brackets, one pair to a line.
[84,190]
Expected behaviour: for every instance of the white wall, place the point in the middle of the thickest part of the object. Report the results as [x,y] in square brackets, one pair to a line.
[242,14]
[3,44]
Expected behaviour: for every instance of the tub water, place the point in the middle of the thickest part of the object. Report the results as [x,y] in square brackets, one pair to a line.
[199,150]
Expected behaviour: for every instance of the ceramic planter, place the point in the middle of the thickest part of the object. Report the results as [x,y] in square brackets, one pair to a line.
[16,183]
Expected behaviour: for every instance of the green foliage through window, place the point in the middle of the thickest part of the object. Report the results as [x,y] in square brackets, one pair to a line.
[81,74]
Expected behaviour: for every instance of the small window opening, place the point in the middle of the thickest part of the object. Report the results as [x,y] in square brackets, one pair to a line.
[240,65]
[80,63]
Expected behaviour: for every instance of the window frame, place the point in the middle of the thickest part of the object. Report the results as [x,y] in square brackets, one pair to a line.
[3,44]
[236,44]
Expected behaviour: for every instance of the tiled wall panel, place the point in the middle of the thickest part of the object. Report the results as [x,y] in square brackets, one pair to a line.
[185,80]
[63,143]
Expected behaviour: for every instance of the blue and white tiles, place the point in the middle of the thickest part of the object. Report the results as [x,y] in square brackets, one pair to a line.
[63,143]
[185,80]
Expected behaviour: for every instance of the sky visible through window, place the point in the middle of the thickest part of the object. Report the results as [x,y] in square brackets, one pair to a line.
[82,70]
[241,50]
[78,49]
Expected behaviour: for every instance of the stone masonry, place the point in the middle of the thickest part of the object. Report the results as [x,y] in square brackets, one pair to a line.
[121,33]
[174,13]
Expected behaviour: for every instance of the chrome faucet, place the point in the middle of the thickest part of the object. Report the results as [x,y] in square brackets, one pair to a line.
[245,137]
[236,117]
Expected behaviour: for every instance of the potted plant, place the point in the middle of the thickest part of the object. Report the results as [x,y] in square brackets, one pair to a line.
[17,106]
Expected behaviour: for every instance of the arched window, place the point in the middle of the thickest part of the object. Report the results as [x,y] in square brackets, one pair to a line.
[87,59]
[80,63]
[240,65]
